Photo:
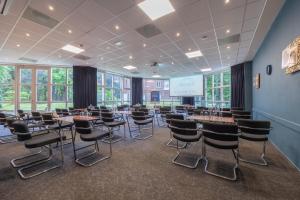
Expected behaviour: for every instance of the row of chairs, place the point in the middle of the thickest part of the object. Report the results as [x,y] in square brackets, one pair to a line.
[218,135]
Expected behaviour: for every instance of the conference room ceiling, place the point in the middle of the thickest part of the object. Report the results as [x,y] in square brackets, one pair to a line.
[106,29]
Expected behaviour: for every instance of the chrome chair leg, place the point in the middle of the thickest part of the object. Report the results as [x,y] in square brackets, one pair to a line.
[234,178]
[262,158]
[191,166]
[172,143]
[15,160]
[140,137]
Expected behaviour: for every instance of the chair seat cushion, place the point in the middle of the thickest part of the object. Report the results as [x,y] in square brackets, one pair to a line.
[94,136]
[43,140]
[187,138]
[114,123]
[143,122]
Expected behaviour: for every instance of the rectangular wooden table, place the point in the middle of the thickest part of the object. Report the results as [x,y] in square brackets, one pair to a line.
[202,118]
[76,117]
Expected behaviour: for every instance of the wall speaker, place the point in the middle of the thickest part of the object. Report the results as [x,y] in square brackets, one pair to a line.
[269,69]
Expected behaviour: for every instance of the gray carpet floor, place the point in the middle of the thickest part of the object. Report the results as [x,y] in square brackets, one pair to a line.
[144,170]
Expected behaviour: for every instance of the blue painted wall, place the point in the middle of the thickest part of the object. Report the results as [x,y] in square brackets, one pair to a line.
[278,99]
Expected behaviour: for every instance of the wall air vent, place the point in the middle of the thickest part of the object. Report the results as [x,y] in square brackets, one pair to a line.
[148,30]
[39,18]
[28,60]
[82,57]
[229,40]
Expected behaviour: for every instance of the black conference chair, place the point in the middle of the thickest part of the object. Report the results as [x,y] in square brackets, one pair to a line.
[180,109]
[112,122]
[87,134]
[225,114]
[162,115]
[43,141]
[237,108]
[237,114]
[2,119]
[97,122]
[21,115]
[171,142]
[185,131]
[255,131]
[141,120]
[65,112]
[224,137]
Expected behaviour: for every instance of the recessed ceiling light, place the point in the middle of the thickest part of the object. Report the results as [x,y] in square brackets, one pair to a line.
[228,31]
[70,31]
[130,57]
[227,1]
[27,34]
[101,58]
[129,67]
[156,8]
[18,45]
[144,45]
[206,70]
[177,34]
[117,27]
[194,54]
[228,47]
[120,43]
[172,63]
[190,49]
[156,76]
[51,8]
[72,49]
[204,37]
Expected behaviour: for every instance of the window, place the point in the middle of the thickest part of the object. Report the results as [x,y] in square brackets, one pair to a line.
[218,89]
[41,89]
[25,89]
[113,90]
[7,89]
[62,88]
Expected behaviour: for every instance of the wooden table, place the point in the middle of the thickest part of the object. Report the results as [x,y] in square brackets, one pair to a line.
[201,118]
[76,117]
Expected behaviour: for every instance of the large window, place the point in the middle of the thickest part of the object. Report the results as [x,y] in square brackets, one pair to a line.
[7,89]
[113,90]
[62,88]
[157,92]
[218,89]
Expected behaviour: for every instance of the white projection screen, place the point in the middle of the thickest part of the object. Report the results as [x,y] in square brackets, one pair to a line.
[186,86]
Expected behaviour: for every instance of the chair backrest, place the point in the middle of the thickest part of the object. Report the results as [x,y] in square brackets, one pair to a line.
[103,107]
[225,109]
[179,108]
[237,114]
[95,113]
[2,117]
[71,109]
[58,111]
[169,117]
[197,112]
[107,116]
[82,126]
[255,127]
[20,111]
[104,110]
[183,127]
[165,109]
[138,115]
[36,116]
[225,114]
[21,127]
[145,110]
[237,108]
[219,135]
[48,119]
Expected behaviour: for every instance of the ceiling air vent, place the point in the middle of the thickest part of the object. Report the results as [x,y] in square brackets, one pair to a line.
[82,57]
[28,60]
[148,30]
[39,18]
[135,72]
[229,40]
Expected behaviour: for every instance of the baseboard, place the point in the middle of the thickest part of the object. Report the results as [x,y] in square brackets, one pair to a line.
[278,149]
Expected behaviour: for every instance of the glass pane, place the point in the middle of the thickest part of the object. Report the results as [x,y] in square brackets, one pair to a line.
[58,105]
[58,93]
[70,105]
[99,94]
[117,82]
[208,94]
[7,93]
[42,92]
[70,76]
[126,96]
[226,78]
[217,80]
[70,93]
[226,94]
[59,76]
[25,93]
[9,106]
[127,83]
[117,95]
[26,76]
[99,78]
[217,94]
[108,80]
[108,95]
[42,106]
[42,76]
[25,106]
[7,74]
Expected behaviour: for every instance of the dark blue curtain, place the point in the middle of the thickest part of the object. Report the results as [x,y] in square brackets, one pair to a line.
[188,100]
[237,86]
[84,86]
[137,91]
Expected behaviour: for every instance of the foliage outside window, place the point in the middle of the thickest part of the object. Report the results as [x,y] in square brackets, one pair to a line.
[218,89]
[7,89]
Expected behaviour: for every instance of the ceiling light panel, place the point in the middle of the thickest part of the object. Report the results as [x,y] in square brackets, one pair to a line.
[72,49]
[129,67]
[194,54]
[156,9]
